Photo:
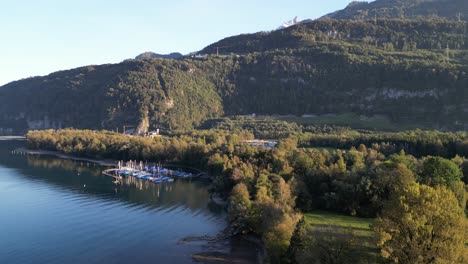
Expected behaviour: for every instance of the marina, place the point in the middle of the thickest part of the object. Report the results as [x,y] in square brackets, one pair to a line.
[68,211]
[138,170]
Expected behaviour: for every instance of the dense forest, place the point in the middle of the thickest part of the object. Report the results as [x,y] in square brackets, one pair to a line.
[410,71]
[269,190]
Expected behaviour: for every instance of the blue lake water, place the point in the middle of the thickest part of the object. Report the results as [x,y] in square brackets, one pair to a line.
[62,211]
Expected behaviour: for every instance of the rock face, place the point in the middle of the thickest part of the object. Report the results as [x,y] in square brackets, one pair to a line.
[289,23]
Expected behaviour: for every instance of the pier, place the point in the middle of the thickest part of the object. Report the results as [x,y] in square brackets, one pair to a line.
[12,138]
[138,170]
[112,173]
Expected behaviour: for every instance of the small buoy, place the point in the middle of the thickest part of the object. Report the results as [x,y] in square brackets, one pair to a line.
[84,185]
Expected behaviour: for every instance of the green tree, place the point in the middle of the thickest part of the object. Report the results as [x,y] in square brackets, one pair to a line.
[422,225]
[439,171]
[297,243]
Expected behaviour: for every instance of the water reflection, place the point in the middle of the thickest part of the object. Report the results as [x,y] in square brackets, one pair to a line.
[85,177]
[64,164]
[54,210]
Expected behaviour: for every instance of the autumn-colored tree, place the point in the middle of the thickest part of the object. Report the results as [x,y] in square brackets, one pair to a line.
[239,208]
[421,225]
[392,178]
[278,226]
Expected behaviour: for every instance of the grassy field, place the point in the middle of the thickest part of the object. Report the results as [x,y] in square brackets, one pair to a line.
[320,219]
[354,231]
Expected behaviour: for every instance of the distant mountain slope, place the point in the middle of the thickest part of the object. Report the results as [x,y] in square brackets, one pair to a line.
[391,34]
[156,92]
[152,55]
[401,69]
[451,9]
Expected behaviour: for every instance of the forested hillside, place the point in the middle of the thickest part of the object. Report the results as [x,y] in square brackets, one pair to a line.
[408,70]
[175,93]
[452,9]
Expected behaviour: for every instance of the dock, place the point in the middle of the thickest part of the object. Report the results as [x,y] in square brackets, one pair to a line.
[112,173]
[155,174]
[4,138]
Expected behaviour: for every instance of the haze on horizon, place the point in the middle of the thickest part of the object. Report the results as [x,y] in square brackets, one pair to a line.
[52,35]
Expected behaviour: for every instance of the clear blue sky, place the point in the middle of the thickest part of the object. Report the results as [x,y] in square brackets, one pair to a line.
[40,37]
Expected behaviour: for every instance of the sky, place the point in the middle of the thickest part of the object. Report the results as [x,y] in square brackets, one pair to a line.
[40,37]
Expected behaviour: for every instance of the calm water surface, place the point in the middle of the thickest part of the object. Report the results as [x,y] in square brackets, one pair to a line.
[61,211]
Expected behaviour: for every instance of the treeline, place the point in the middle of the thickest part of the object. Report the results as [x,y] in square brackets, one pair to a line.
[268,188]
[269,128]
[192,149]
[416,142]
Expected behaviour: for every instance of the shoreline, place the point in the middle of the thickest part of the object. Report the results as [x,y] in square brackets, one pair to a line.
[250,253]
[102,162]
[200,257]
[106,163]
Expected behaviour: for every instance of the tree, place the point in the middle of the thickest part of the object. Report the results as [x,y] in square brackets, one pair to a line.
[440,171]
[331,245]
[393,177]
[239,208]
[297,243]
[390,179]
[278,223]
[422,224]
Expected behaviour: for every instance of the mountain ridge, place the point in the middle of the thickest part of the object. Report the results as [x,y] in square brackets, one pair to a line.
[450,9]
[409,70]
[152,55]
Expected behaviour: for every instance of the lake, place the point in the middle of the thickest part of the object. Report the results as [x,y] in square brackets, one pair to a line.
[62,211]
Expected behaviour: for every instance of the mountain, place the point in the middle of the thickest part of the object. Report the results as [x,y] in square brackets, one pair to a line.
[385,34]
[173,93]
[411,71]
[450,9]
[152,55]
